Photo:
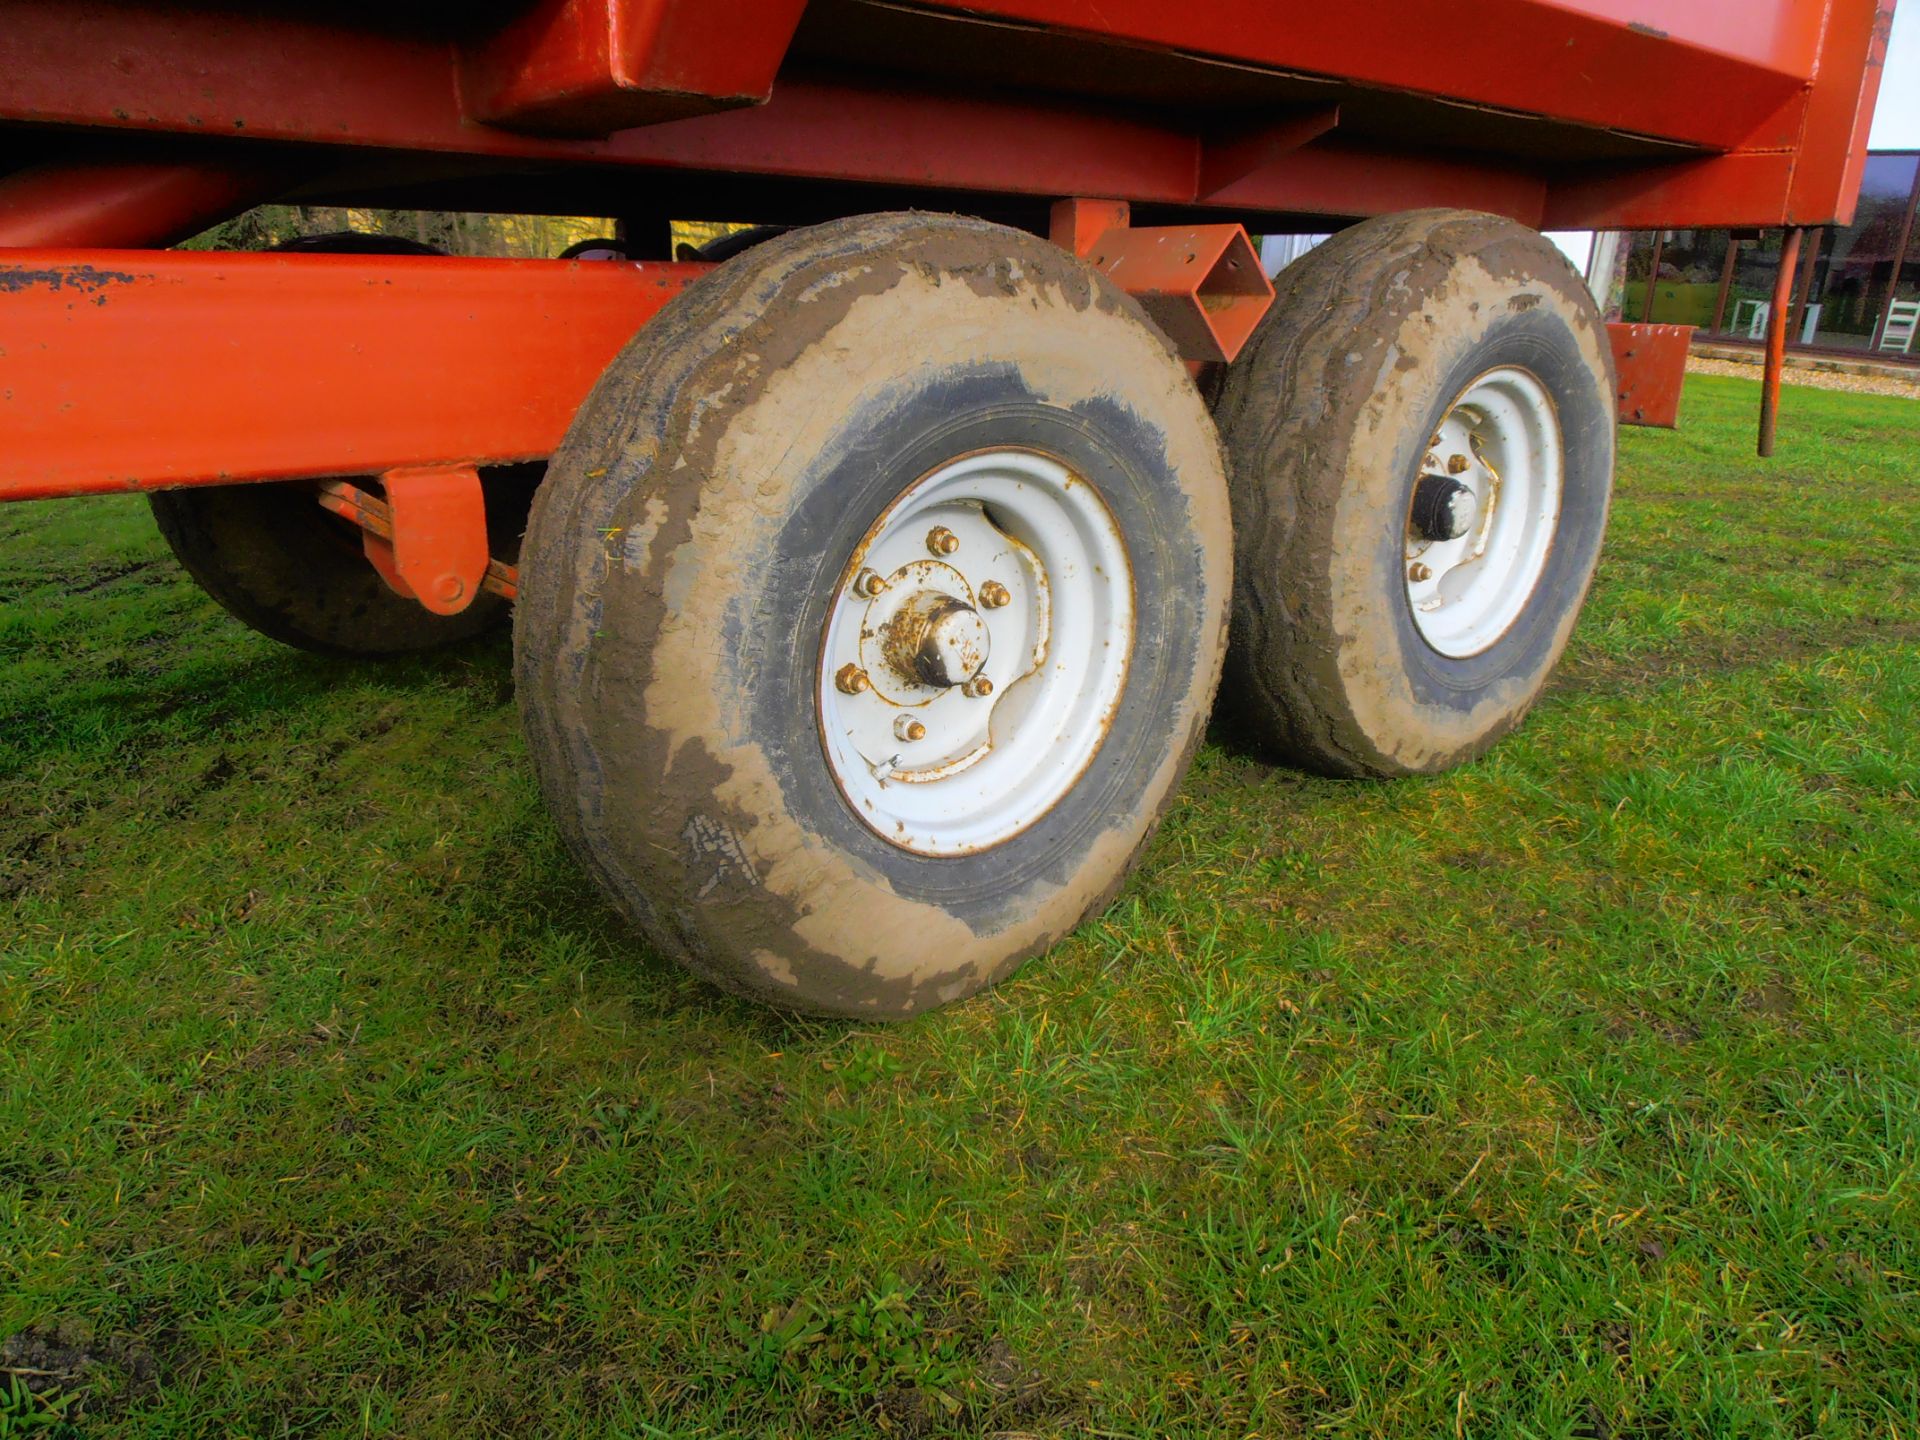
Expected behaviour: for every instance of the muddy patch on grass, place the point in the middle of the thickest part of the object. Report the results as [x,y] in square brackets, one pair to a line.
[65,1358]
[1588,673]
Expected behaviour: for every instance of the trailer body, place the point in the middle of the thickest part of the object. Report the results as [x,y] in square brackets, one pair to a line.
[134,125]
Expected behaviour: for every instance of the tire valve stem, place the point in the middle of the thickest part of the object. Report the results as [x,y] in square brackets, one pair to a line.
[907,728]
[850,679]
[942,541]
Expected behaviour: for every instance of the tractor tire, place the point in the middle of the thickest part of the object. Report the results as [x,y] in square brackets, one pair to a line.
[1420,437]
[872,610]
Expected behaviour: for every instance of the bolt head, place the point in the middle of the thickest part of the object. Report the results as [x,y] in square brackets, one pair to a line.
[942,541]
[993,595]
[977,688]
[1418,572]
[449,588]
[908,728]
[850,679]
[1456,464]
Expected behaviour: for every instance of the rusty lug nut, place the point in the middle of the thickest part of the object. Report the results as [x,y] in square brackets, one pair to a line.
[908,728]
[1457,463]
[1432,462]
[993,595]
[850,679]
[977,688]
[942,541]
[1418,572]
[867,584]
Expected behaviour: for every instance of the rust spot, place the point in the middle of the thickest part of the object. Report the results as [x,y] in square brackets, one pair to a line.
[1640,27]
[85,279]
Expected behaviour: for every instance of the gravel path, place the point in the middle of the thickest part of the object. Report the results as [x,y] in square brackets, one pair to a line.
[1818,379]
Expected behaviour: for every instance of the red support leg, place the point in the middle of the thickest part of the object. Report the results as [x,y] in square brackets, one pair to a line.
[1777,340]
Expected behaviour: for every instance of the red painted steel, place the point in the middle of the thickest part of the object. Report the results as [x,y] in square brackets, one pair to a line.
[371,514]
[1776,359]
[435,546]
[1076,223]
[1784,84]
[113,203]
[143,370]
[1201,284]
[590,67]
[1650,367]
[1717,73]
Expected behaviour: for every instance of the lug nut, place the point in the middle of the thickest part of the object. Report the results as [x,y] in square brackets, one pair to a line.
[908,728]
[993,595]
[942,541]
[850,679]
[1416,572]
[867,584]
[977,688]
[1457,463]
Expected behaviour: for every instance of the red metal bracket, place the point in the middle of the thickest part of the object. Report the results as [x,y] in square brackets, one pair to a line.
[428,538]
[591,67]
[1201,284]
[1650,365]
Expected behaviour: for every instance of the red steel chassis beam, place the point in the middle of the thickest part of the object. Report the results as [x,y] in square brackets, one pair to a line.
[131,370]
[137,370]
[1791,96]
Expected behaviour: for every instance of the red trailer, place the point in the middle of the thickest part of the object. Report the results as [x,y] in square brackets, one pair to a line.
[875,585]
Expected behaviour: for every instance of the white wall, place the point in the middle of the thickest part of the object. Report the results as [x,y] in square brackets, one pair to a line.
[1896,118]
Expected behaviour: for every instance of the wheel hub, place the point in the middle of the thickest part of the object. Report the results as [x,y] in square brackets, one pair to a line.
[1481,520]
[1443,508]
[974,651]
[938,639]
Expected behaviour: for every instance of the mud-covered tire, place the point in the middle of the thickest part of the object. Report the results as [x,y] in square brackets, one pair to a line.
[278,563]
[1327,417]
[697,530]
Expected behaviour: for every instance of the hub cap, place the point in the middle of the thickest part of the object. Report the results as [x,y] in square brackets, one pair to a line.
[1500,443]
[975,651]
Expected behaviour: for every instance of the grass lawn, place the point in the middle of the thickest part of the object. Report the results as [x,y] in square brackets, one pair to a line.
[1574,1094]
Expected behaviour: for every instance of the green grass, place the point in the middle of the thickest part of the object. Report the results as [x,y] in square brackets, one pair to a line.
[1574,1094]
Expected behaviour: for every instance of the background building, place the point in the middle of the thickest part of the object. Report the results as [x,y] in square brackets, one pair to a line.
[1857,288]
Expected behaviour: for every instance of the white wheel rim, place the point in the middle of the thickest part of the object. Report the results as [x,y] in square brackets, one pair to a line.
[1501,440]
[1058,635]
